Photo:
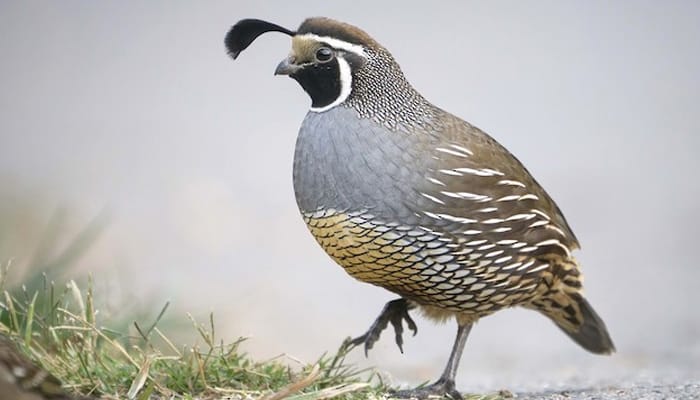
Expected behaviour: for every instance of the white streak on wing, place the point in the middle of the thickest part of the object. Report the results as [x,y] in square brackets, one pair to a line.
[451,194]
[476,242]
[526,265]
[493,171]
[436,181]
[557,230]
[494,253]
[450,172]
[511,183]
[511,266]
[345,86]
[433,198]
[503,259]
[528,196]
[541,213]
[479,172]
[502,229]
[539,268]
[488,209]
[517,217]
[491,221]
[462,149]
[431,215]
[555,242]
[506,242]
[452,152]
[481,199]
[457,219]
[510,197]
[500,285]
[539,223]
[467,196]
[472,232]
[336,43]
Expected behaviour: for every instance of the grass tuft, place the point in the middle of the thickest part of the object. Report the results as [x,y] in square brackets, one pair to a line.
[66,337]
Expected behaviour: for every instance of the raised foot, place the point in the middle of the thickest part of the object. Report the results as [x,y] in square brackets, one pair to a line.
[438,390]
[395,311]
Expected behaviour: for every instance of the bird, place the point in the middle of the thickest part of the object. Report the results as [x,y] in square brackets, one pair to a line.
[21,379]
[411,198]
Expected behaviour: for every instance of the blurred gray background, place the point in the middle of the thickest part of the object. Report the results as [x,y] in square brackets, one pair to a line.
[135,107]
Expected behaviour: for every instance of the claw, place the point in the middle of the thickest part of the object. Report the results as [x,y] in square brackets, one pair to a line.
[396,322]
[395,311]
[440,389]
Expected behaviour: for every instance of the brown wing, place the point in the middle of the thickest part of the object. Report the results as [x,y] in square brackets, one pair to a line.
[479,187]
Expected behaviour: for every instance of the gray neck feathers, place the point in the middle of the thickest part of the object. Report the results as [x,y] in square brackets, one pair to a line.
[382,93]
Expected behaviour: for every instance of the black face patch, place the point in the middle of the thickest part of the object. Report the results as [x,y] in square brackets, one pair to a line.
[321,81]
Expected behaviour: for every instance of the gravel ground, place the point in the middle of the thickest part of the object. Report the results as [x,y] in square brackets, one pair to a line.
[646,391]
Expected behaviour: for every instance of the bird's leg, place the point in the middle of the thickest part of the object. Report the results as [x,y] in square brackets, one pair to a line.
[445,386]
[395,311]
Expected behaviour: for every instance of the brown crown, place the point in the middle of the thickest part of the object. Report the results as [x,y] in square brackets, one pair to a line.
[323,26]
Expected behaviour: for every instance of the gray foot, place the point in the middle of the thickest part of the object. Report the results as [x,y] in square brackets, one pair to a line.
[440,389]
[395,311]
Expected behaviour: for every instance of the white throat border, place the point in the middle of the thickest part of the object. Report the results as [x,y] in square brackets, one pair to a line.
[343,66]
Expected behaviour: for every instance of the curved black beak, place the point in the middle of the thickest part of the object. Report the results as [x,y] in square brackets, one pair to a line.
[287,67]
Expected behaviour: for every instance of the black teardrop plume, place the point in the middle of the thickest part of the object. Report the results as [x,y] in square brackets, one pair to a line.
[246,31]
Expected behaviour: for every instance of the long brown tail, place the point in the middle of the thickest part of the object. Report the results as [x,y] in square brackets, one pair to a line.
[572,313]
[592,335]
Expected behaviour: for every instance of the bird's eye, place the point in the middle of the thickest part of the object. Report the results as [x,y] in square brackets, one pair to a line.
[324,54]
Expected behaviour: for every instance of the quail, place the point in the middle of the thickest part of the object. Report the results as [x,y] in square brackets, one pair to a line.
[20,379]
[409,197]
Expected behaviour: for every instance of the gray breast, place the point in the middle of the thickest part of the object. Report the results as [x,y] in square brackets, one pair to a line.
[344,162]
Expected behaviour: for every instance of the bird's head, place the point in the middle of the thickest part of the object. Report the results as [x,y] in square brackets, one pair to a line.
[333,61]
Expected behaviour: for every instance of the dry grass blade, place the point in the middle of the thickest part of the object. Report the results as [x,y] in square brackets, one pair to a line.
[78,297]
[331,392]
[295,386]
[167,341]
[140,379]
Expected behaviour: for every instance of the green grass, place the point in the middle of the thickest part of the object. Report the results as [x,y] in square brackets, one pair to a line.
[65,336]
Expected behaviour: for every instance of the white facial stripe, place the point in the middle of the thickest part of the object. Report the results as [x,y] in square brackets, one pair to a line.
[336,43]
[345,86]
